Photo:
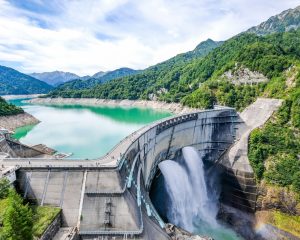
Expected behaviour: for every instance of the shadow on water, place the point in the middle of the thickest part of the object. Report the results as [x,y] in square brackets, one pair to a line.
[120,114]
[23,131]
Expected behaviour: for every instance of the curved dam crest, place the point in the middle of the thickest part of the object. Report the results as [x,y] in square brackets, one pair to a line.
[110,196]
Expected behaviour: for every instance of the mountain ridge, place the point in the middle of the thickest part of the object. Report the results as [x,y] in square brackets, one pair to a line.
[15,82]
[54,78]
[282,22]
[97,78]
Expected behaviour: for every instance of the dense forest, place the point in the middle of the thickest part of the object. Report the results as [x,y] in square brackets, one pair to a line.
[14,82]
[98,78]
[8,109]
[144,83]
[191,81]
[274,149]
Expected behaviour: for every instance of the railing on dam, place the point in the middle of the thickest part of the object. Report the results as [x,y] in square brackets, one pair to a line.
[174,121]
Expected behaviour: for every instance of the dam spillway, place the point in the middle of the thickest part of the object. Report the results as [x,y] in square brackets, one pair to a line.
[110,196]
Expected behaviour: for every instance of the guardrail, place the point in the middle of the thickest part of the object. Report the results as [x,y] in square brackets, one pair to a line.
[174,121]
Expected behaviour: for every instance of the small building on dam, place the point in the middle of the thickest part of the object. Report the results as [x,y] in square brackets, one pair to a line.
[109,197]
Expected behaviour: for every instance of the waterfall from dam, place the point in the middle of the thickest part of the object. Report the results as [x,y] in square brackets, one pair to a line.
[191,198]
[188,192]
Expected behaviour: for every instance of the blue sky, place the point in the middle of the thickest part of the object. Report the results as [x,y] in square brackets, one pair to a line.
[88,36]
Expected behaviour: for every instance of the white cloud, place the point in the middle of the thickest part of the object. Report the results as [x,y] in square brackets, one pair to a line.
[88,36]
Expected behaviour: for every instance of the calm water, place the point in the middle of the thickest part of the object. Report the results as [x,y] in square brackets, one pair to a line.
[87,132]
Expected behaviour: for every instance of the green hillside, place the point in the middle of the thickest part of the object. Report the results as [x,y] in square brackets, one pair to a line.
[271,55]
[8,109]
[144,83]
[92,81]
[14,82]
[179,80]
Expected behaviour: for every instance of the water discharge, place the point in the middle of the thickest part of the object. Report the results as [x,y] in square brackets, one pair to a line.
[193,198]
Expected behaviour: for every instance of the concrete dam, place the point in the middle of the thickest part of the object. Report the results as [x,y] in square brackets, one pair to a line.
[109,197]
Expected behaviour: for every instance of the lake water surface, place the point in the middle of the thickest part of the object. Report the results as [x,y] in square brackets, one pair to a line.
[87,132]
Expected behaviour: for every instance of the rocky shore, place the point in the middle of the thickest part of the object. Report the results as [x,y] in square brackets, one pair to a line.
[10,97]
[14,121]
[175,108]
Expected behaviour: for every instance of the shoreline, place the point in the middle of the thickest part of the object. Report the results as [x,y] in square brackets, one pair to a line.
[19,120]
[175,108]
[11,97]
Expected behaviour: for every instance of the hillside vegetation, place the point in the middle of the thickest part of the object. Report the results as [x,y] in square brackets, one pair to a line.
[194,82]
[97,78]
[7,109]
[19,220]
[14,82]
[274,149]
[155,80]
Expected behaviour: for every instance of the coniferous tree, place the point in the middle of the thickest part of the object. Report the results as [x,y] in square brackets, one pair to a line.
[18,221]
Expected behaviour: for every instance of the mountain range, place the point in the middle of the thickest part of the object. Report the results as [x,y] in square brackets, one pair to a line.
[156,82]
[179,76]
[14,82]
[97,78]
[54,78]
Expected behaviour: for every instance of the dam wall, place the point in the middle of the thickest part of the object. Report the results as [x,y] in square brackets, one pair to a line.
[110,196]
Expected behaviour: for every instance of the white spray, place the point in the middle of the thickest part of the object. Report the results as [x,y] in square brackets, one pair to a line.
[188,191]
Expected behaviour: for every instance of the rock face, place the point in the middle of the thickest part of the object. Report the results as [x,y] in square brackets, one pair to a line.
[243,75]
[177,233]
[285,21]
[172,107]
[15,121]
[280,198]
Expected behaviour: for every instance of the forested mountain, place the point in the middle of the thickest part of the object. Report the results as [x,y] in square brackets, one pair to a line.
[155,72]
[285,21]
[14,82]
[8,109]
[55,78]
[98,78]
[99,74]
[175,80]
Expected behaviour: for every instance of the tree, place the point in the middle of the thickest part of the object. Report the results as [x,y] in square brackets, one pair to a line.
[4,188]
[18,221]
